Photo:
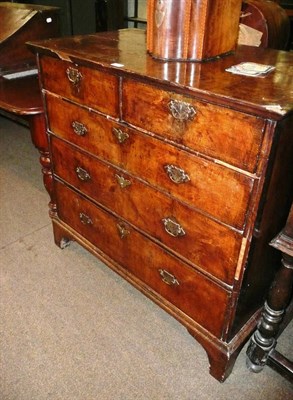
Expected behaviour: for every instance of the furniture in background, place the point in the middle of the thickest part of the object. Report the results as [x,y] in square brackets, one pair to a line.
[79,17]
[262,348]
[110,14]
[21,23]
[168,172]
[288,7]
[20,95]
[135,17]
[268,18]
[20,98]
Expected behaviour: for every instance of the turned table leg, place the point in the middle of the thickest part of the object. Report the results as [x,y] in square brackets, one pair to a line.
[261,350]
[264,339]
[39,138]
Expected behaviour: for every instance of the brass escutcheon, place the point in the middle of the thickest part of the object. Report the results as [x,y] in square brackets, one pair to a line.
[172,227]
[181,111]
[176,174]
[82,174]
[168,278]
[122,181]
[122,230]
[120,135]
[74,76]
[85,219]
[79,128]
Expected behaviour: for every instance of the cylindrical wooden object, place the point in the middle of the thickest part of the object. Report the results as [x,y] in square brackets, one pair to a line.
[194,30]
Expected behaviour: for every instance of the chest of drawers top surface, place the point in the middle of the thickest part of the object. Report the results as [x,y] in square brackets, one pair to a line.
[124,52]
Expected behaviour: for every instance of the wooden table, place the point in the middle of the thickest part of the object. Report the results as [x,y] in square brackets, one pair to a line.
[262,348]
[21,97]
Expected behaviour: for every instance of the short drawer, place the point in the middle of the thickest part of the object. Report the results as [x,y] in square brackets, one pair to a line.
[189,291]
[203,242]
[203,184]
[228,135]
[90,87]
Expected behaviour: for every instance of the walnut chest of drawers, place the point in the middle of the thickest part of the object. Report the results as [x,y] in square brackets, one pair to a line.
[176,175]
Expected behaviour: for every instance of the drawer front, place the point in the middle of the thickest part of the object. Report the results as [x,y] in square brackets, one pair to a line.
[200,240]
[203,184]
[93,88]
[83,127]
[225,134]
[188,290]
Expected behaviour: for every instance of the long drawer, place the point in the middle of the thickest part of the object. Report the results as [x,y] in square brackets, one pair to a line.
[204,242]
[222,133]
[188,290]
[94,88]
[205,185]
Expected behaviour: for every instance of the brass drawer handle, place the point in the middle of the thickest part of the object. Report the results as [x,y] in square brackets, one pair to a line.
[120,135]
[181,111]
[74,76]
[82,174]
[85,219]
[176,174]
[168,278]
[79,128]
[172,227]
[122,230]
[122,181]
